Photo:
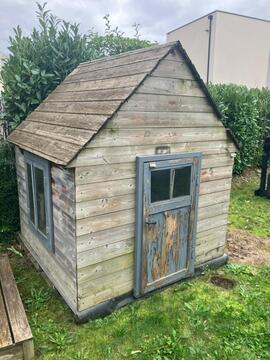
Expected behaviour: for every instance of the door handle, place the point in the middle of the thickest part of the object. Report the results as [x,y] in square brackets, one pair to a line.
[150,222]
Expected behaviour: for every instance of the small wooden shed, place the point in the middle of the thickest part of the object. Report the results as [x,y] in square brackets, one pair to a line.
[124,177]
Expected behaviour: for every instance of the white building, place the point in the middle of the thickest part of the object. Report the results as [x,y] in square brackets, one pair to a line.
[228,48]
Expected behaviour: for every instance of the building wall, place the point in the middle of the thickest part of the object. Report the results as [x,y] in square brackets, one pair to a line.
[194,38]
[60,266]
[168,109]
[240,50]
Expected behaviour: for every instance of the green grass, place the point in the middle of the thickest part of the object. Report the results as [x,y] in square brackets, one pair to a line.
[190,320]
[249,212]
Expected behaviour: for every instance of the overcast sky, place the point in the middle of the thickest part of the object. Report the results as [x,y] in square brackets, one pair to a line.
[156,17]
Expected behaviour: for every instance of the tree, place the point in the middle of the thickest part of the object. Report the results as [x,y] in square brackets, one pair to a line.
[40,61]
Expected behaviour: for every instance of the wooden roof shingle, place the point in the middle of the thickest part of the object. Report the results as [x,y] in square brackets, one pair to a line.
[76,110]
[88,97]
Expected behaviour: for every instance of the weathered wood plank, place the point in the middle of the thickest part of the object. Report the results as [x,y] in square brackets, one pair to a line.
[123,154]
[118,288]
[213,210]
[167,103]
[18,321]
[86,192]
[66,285]
[112,204]
[90,95]
[214,198]
[103,222]
[5,335]
[133,120]
[101,173]
[109,282]
[113,83]
[216,185]
[103,253]
[156,136]
[101,238]
[104,205]
[28,350]
[139,67]
[170,86]
[210,223]
[211,234]
[12,353]
[56,151]
[211,254]
[81,107]
[105,268]
[173,69]
[210,174]
[87,122]
[121,59]
[92,174]
[57,132]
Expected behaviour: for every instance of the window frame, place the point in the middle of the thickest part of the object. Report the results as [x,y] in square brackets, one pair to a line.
[35,161]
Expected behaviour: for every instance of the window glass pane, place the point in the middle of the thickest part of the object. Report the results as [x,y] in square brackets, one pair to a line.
[30,193]
[40,193]
[160,185]
[181,185]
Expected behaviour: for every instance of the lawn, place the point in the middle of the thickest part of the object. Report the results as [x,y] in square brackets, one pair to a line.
[190,320]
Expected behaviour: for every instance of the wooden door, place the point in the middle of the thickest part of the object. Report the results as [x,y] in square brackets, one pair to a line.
[167,197]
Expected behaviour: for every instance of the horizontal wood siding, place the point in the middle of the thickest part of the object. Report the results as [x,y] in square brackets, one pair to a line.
[60,265]
[169,109]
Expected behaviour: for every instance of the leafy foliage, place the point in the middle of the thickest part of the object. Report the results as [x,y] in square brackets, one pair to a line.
[247,113]
[40,61]
[9,212]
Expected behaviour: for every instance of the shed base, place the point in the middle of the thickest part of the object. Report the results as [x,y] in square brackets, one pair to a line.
[109,306]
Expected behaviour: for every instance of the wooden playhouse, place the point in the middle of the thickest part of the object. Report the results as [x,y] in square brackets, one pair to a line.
[124,177]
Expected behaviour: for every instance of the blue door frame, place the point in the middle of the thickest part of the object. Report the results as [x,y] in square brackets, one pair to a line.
[166,228]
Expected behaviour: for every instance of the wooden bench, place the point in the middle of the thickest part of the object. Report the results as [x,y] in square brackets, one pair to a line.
[16,340]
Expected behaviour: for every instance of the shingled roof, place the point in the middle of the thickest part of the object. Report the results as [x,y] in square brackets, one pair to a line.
[89,96]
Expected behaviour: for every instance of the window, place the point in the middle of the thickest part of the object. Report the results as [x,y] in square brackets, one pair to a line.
[170,183]
[39,198]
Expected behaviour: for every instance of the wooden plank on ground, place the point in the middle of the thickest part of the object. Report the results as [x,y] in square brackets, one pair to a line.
[16,313]
[5,335]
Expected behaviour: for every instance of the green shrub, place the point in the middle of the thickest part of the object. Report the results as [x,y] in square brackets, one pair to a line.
[247,113]
[9,213]
[40,61]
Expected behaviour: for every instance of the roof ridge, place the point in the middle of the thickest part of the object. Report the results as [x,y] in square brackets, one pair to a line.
[127,53]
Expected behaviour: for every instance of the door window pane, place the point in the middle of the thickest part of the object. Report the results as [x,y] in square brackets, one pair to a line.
[30,193]
[160,185]
[40,194]
[181,186]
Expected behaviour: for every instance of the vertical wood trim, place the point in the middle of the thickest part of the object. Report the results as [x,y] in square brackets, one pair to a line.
[28,350]
[139,225]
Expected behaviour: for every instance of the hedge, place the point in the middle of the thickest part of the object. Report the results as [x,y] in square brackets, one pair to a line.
[9,209]
[247,113]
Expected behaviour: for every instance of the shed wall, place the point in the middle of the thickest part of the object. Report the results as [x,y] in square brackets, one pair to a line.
[60,265]
[168,109]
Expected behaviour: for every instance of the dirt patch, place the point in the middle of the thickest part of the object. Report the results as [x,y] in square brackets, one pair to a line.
[223,282]
[247,176]
[248,249]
